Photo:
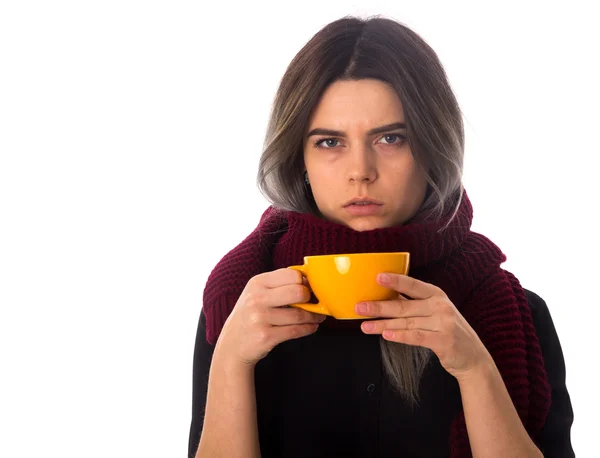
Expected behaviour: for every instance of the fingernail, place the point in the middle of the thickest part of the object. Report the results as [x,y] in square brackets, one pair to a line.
[388,334]
[361,307]
[368,326]
[383,278]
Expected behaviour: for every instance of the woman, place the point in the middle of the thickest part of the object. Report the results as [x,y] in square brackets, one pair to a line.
[364,153]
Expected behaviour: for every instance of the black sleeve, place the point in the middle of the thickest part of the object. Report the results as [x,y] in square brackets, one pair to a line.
[203,352]
[555,437]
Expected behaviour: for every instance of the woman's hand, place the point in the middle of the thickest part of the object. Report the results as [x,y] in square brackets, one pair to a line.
[259,321]
[429,320]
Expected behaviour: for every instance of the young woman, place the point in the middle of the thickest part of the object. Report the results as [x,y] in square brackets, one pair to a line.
[364,153]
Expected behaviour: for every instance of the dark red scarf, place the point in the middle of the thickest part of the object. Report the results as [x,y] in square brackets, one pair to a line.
[464,264]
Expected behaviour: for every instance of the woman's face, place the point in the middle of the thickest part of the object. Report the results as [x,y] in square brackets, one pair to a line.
[355,150]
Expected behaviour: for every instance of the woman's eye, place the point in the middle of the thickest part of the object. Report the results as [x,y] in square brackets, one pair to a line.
[392,139]
[327,143]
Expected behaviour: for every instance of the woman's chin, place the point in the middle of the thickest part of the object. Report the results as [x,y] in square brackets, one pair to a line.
[368,223]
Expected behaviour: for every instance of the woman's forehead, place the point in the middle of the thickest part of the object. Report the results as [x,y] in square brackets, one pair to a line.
[357,105]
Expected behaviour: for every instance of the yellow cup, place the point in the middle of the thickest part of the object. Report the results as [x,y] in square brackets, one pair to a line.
[340,281]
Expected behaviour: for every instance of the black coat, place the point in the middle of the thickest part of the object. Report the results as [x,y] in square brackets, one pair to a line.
[326,395]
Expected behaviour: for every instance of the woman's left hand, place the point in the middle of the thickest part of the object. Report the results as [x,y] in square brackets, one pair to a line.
[429,320]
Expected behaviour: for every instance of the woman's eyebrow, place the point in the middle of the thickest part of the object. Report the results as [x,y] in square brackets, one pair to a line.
[376,130]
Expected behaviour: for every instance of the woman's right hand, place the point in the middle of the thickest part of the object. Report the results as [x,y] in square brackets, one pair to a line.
[260,321]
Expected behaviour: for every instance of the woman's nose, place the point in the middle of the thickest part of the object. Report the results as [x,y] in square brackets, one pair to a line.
[362,166]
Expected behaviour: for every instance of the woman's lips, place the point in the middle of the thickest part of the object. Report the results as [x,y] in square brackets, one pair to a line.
[367,209]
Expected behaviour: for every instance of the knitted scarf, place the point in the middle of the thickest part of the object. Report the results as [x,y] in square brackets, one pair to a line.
[464,264]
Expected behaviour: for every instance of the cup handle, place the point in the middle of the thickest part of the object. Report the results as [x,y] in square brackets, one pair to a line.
[314,308]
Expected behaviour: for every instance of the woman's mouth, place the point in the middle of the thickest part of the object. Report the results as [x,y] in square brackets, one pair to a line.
[363,208]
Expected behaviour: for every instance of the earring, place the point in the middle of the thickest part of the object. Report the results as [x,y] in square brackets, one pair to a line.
[306,178]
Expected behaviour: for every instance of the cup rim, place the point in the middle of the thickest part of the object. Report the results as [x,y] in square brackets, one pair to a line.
[377,254]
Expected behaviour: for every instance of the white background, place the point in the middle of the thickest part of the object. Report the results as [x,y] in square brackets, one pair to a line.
[130,133]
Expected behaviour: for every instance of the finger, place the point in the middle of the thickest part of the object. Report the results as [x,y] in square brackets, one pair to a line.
[277,297]
[279,277]
[423,323]
[282,333]
[410,286]
[395,308]
[416,337]
[290,316]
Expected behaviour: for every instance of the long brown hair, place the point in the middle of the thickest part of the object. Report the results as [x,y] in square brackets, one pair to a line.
[379,48]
